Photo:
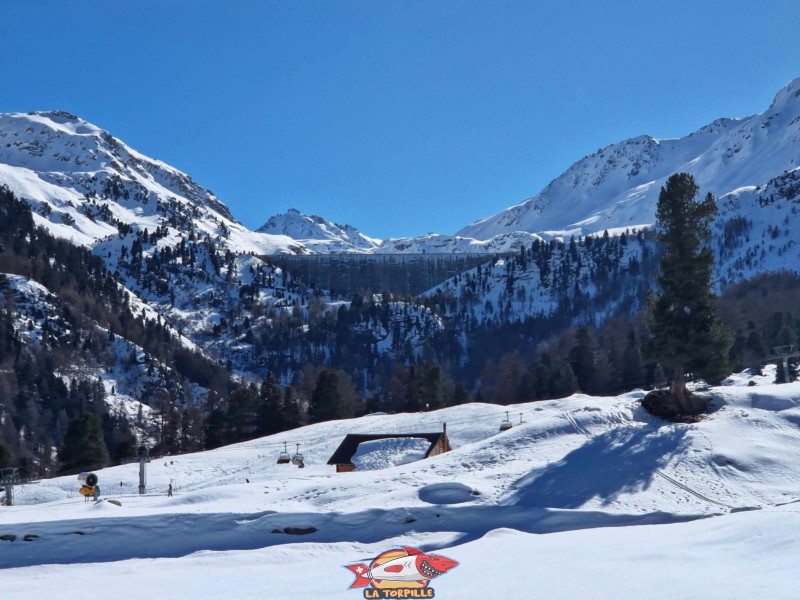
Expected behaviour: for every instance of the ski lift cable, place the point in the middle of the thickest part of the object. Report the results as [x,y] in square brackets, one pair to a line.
[415,429]
[403,430]
[314,440]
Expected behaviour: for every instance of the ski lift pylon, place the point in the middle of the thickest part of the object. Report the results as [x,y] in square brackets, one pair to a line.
[283,457]
[297,459]
[506,425]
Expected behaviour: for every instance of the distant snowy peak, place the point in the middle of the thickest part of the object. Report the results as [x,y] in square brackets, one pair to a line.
[789,94]
[318,234]
[618,185]
[452,244]
[322,236]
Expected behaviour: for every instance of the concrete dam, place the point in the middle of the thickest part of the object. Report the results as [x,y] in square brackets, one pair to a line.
[346,274]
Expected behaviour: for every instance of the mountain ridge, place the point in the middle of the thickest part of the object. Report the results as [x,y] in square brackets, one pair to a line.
[612,189]
[618,185]
[204,306]
[62,165]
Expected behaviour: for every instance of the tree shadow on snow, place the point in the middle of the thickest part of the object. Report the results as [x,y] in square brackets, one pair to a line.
[619,461]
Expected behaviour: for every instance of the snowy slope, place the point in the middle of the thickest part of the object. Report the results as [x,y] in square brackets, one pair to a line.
[38,313]
[747,555]
[583,281]
[618,185]
[581,469]
[756,229]
[173,244]
[736,557]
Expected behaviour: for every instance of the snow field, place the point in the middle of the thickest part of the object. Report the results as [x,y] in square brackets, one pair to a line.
[630,506]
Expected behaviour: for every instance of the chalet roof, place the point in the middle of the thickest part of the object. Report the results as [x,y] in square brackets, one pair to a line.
[344,453]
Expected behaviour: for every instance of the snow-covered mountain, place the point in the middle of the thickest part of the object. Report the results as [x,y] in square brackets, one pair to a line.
[86,185]
[584,281]
[321,235]
[187,263]
[83,183]
[618,186]
[756,231]
[614,189]
[39,319]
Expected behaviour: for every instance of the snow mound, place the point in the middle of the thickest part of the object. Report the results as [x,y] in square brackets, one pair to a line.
[774,403]
[391,452]
[767,376]
[105,505]
[447,493]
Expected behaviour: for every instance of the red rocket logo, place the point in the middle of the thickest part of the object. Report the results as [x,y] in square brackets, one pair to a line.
[403,573]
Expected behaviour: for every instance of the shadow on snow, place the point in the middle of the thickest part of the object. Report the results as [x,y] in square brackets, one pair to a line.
[619,461]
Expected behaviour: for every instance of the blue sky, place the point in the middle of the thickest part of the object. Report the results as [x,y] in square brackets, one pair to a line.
[400,118]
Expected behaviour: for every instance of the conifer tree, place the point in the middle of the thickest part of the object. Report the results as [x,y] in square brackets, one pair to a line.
[5,456]
[633,367]
[543,375]
[432,392]
[412,402]
[605,380]
[214,428]
[270,409]
[327,400]
[84,446]
[756,350]
[291,408]
[191,429]
[581,359]
[685,333]
[460,394]
[659,377]
[241,414]
[564,382]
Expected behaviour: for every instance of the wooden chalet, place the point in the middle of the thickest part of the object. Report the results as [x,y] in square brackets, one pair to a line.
[342,458]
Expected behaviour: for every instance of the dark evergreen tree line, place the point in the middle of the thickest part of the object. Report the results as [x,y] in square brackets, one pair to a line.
[326,355]
[36,405]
